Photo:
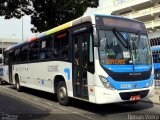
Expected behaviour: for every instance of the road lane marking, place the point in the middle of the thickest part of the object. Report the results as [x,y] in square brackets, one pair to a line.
[49,103]
[36,99]
[82,115]
[76,113]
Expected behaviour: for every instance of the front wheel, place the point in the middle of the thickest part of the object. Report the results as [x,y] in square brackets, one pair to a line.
[62,94]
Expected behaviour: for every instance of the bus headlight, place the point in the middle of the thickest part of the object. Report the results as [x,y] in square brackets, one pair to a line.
[106,83]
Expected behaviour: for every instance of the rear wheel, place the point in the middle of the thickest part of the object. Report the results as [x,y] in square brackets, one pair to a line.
[18,87]
[62,94]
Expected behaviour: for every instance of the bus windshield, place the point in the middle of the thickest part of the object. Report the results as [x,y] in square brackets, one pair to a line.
[123,48]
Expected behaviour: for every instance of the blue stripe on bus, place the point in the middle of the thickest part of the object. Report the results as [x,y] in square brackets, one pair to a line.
[120,68]
[42,82]
[156,65]
[128,68]
[67,71]
[18,44]
[142,68]
[41,35]
[130,85]
[155,47]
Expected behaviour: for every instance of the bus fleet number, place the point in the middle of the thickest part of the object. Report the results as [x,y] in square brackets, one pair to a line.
[53,68]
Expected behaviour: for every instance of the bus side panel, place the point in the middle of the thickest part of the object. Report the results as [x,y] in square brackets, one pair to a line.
[91,87]
[41,75]
[6,73]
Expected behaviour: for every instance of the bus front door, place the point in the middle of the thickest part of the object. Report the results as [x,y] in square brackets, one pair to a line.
[80,56]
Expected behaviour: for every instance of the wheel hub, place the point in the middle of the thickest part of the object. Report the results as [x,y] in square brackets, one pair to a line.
[62,93]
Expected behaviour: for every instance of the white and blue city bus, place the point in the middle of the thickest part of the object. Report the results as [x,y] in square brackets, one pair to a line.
[156,60]
[100,59]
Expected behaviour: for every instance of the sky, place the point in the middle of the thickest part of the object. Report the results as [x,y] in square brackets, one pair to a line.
[12,28]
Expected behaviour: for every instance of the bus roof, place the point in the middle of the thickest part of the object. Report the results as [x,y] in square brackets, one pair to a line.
[116,16]
[53,30]
[63,27]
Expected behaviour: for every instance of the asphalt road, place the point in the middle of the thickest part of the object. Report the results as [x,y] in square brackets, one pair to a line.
[33,104]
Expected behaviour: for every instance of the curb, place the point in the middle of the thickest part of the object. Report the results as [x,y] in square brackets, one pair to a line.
[149,100]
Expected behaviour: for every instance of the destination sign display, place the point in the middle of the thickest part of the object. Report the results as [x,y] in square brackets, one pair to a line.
[122,23]
[119,22]
[116,61]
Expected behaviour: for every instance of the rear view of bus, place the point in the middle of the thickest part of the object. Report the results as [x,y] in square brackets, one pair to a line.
[123,63]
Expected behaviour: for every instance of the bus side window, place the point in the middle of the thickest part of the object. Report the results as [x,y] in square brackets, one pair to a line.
[33,51]
[24,53]
[16,54]
[76,49]
[91,53]
[61,46]
[6,55]
[45,52]
[85,50]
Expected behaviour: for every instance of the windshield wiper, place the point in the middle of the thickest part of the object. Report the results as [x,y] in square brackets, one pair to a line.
[120,37]
[136,39]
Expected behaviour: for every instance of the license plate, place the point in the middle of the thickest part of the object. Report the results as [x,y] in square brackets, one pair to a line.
[135,98]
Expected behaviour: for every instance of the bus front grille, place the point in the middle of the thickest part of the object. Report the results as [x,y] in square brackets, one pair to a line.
[127,95]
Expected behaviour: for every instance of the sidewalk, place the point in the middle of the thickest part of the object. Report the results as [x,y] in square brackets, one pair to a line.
[156,98]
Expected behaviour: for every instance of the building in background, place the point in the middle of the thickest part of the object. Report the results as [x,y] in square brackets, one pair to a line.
[147,11]
[6,42]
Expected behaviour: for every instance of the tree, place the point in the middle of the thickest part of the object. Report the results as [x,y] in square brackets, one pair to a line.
[15,8]
[46,14]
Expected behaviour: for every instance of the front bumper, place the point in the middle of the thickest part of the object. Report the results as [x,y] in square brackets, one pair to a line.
[104,96]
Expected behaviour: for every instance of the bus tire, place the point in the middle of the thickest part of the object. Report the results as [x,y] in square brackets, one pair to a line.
[62,94]
[18,87]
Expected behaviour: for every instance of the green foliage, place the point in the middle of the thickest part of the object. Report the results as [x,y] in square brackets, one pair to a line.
[15,8]
[46,14]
